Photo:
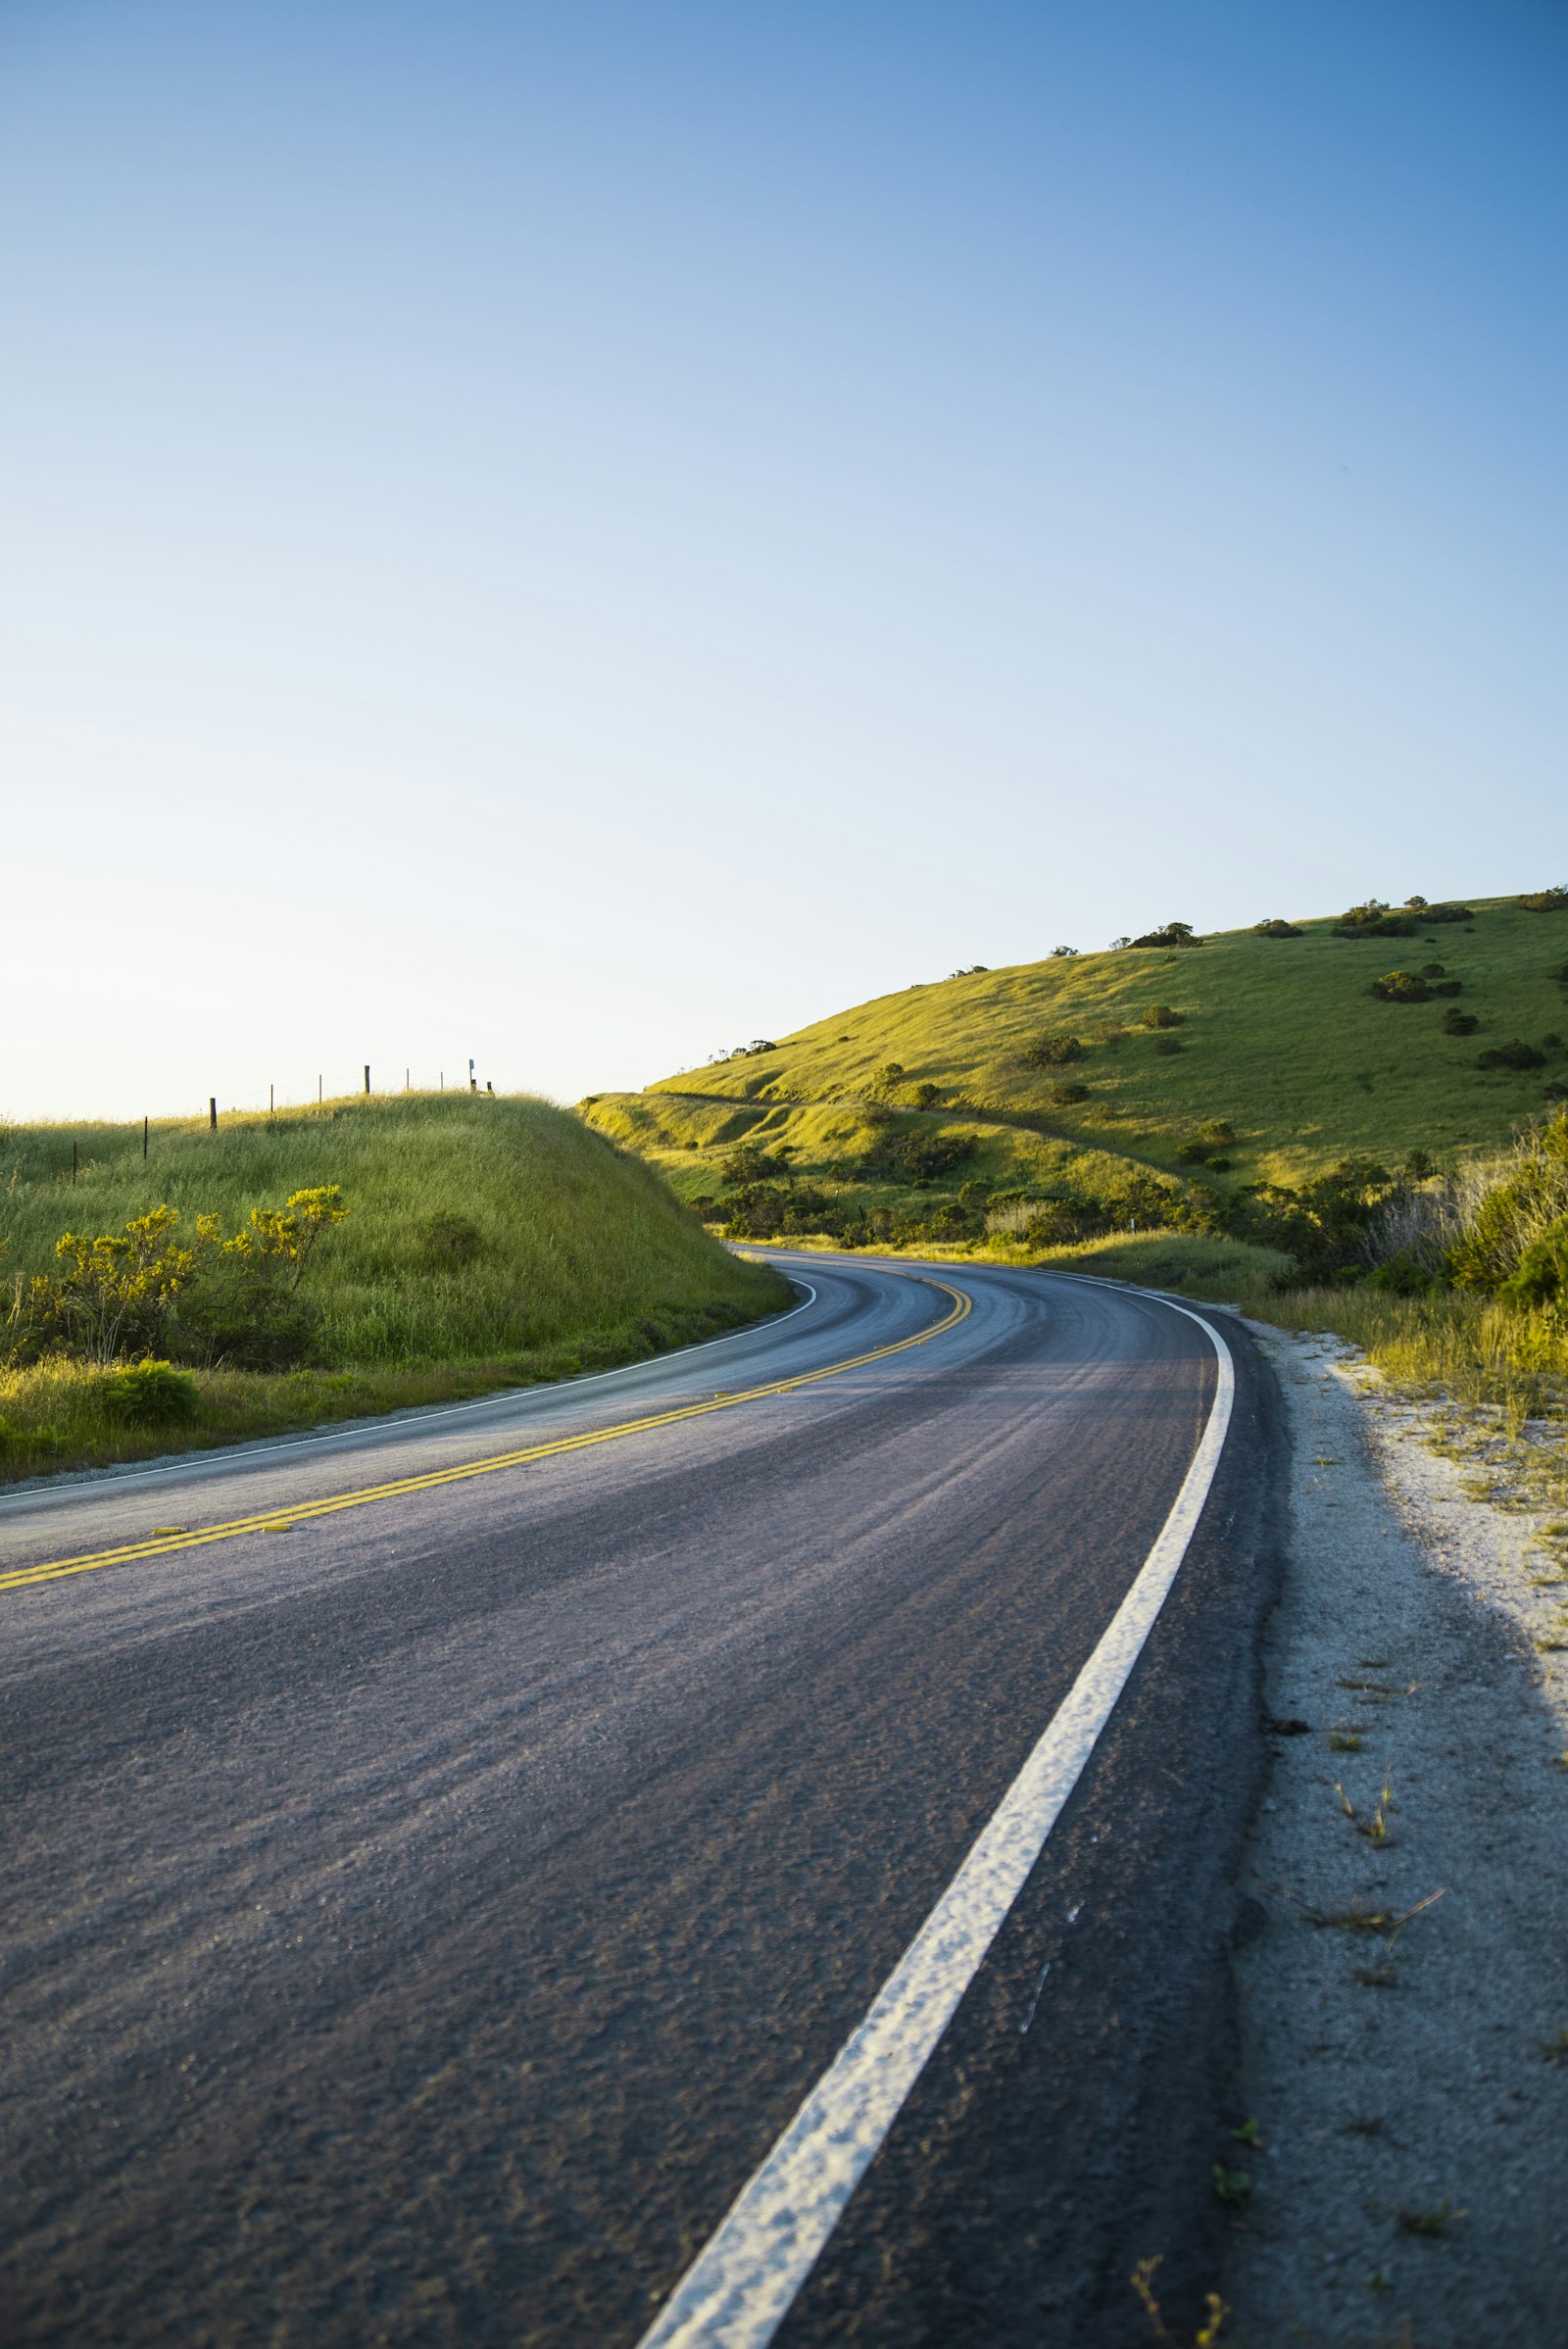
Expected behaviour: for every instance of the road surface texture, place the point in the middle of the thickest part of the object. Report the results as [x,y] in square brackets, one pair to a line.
[421,1918]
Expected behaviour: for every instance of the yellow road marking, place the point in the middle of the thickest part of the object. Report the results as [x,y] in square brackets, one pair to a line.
[160,1543]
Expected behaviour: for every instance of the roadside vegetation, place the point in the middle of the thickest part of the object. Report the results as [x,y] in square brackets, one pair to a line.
[326,1263]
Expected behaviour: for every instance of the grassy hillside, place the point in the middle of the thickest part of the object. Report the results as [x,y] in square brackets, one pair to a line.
[1279,1046]
[487,1240]
[1281,1037]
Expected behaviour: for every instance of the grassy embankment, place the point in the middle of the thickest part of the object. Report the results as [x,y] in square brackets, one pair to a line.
[570,1256]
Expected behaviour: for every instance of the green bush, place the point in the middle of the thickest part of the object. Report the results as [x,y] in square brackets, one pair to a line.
[1459,1023]
[1545,900]
[1373,920]
[918,1157]
[1160,1016]
[1275,929]
[1541,1275]
[1174,934]
[746,1163]
[1401,987]
[1052,1051]
[1065,1095]
[1513,1053]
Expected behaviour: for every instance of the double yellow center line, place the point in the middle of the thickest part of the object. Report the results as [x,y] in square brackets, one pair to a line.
[284,1519]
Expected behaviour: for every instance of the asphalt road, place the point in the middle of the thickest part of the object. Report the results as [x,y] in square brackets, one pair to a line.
[417,1923]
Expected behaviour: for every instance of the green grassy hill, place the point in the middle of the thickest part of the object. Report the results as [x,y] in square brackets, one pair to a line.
[487,1241]
[1281,1040]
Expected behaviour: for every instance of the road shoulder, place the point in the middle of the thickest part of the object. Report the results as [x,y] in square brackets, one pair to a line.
[1410,2104]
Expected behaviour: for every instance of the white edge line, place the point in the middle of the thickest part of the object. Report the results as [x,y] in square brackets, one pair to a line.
[391,1422]
[739,2288]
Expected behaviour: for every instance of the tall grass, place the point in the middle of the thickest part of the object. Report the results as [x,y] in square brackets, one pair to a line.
[580,1256]
[1469,1349]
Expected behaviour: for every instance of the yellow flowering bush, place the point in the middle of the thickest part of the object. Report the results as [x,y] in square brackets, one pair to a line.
[148,1289]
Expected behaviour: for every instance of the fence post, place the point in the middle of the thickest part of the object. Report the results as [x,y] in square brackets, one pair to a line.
[367,1076]
[144,1141]
[271,1102]
[212,1112]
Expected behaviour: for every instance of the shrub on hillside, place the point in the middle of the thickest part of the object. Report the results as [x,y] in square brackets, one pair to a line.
[1052,1052]
[1160,1016]
[1058,953]
[154,1291]
[744,1051]
[1374,919]
[1459,1023]
[926,1095]
[1216,1132]
[1174,934]
[1514,1052]
[917,1157]
[1401,987]
[1444,913]
[1323,1225]
[1545,900]
[1064,1095]
[747,1164]
[1275,929]
[885,1080]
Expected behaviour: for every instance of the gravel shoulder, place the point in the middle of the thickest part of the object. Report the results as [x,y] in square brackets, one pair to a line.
[1408,2082]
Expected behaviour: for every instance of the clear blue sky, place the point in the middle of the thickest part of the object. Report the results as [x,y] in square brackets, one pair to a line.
[583,535]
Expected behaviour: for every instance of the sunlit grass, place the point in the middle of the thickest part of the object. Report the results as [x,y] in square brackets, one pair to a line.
[582,1259]
[1284,1038]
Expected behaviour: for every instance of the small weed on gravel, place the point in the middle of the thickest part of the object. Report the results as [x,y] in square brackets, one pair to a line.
[1233,2187]
[1215,2311]
[1428,2223]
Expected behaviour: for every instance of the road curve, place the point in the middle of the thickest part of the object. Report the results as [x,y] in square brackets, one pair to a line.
[421,1918]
